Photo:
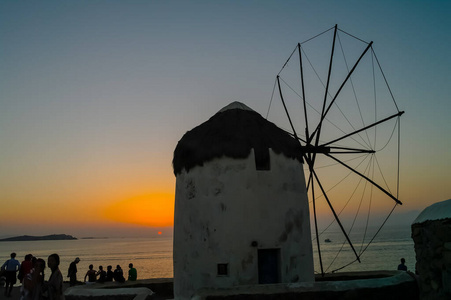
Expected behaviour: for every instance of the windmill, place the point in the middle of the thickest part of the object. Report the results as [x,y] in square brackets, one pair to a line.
[349,119]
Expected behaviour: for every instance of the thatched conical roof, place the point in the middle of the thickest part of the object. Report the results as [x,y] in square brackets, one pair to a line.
[232,132]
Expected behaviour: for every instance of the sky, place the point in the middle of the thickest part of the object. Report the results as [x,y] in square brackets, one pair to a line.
[95,95]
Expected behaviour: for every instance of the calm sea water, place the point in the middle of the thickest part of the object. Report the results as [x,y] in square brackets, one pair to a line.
[384,252]
[152,257]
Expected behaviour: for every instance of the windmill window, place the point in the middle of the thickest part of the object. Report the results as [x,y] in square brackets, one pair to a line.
[262,159]
[223,269]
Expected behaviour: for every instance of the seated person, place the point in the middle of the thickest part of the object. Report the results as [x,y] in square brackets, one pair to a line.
[102,275]
[91,274]
[118,274]
[132,273]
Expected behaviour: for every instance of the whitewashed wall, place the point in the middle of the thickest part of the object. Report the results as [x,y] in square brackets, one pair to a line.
[222,207]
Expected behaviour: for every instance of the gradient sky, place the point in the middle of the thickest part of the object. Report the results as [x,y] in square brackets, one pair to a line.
[94,96]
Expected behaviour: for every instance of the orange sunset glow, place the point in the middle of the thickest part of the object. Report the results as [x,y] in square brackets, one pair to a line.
[155,210]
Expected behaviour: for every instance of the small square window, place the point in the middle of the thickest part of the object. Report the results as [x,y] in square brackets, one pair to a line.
[223,269]
[262,159]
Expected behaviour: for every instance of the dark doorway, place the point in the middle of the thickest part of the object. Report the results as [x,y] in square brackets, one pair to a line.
[268,266]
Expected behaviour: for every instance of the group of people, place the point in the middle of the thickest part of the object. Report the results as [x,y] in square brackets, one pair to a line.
[31,275]
[101,275]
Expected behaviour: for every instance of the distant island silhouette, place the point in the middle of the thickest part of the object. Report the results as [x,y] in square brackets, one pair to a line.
[50,237]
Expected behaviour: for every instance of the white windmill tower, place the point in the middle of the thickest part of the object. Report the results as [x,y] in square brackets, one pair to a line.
[241,208]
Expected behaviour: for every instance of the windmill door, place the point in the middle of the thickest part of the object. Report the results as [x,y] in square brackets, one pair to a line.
[268,266]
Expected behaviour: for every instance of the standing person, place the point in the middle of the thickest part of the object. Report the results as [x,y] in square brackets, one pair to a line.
[55,283]
[34,281]
[119,274]
[402,266]
[132,273]
[72,272]
[91,274]
[25,267]
[11,267]
[102,275]
[109,273]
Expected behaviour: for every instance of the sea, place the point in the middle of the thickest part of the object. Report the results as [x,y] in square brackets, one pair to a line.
[152,257]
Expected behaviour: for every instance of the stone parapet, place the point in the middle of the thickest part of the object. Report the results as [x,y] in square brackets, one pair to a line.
[354,285]
[156,288]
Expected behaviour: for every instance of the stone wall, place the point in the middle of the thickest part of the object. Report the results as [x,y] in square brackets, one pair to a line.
[433,254]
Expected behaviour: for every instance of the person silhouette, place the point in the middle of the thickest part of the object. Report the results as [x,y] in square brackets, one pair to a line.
[109,274]
[118,274]
[11,267]
[55,283]
[72,272]
[102,275]
[132,273]
[33,283]
[25,267]
[402,266]
[91,275]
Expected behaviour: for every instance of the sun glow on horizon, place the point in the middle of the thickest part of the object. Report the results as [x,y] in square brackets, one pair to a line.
[155,210]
